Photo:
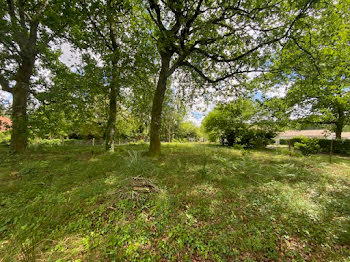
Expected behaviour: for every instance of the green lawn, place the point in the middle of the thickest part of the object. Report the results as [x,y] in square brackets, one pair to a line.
[197,202]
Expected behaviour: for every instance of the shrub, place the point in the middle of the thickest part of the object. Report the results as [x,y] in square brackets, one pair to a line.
[140,142]
[212,137]
[339,146]
[238,147]
[307,146]
[250,138]
[180,140]
[5,138]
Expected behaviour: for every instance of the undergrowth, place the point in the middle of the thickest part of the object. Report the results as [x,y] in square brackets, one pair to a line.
[196,202]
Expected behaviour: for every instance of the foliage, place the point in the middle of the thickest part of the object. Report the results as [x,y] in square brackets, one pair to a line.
[338,147]
[212,42]
[188,130]
[240,122]
[5,138]
[314,69]
[308,146]
[75,104]
[76,202]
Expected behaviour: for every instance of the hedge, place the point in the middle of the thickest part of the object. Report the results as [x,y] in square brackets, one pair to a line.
[292,140]
[339,146]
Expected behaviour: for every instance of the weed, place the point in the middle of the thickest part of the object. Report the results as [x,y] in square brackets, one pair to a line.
[196,202]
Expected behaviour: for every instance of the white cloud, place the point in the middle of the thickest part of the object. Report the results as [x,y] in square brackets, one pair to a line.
[70,56]
[5,98]
[199,111]
[277,91]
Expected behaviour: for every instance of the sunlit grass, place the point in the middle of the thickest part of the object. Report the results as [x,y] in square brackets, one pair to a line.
[195,202]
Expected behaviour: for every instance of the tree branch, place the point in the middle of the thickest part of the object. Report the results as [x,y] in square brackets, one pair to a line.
[111,27]
[213,81]
[307,52]
[156,8]
[12,12]
[41,9]
[95,26]
[5,84]
[218,58]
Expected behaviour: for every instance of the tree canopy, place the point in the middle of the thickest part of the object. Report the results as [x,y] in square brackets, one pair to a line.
[143,63]
[314,68]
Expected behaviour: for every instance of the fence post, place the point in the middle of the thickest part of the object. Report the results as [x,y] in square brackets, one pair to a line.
[330,151]
[290,148]
[93,141]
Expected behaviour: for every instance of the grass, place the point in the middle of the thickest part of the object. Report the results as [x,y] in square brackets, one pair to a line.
[196,202]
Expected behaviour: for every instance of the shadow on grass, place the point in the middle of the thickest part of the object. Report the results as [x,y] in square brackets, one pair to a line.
[213,203]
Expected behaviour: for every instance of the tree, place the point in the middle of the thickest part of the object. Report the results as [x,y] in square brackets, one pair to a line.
[27,29]
[216,40]
[72,103]
[314,68]
[188,130]
[114,31]
[103,28]
[242,121]
[174,110]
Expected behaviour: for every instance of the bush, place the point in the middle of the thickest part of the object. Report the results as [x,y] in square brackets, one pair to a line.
[238,147]
[307,146]
[250,138]
[140,142]
[296,139]
[5,138]
[46,142]
[212,137]
[180,140]
[339,146]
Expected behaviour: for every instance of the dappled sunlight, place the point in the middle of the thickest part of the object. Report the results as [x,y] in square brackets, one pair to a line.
[205,190]
[198,200]
[293,200]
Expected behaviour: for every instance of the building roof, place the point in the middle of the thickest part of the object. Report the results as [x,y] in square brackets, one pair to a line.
[322,133]
[5,123]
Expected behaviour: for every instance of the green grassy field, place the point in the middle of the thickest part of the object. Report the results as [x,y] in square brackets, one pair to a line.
[197,202]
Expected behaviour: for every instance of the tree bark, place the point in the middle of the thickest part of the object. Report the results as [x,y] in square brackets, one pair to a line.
[112,117]
[338,130]
[20,92]
[339,125]
[157,106]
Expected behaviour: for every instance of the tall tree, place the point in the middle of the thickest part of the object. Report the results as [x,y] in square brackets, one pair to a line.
[73,102]
[243,121]
[112,29]
[315,69]
[103,30]
[216,40]
[27,28]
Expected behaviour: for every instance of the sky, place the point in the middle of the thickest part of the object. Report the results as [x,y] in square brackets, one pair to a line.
[5,96]
[71,57]
[196,115]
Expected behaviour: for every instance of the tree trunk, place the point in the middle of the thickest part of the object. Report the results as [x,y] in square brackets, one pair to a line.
[157,106]
[338,130]
[20,93]
[112,117]
[339,125]
[19,134]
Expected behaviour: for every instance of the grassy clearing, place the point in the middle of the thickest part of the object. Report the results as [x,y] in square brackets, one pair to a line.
[197,202]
